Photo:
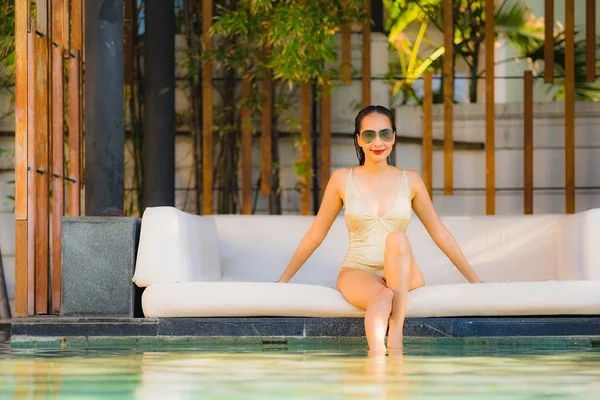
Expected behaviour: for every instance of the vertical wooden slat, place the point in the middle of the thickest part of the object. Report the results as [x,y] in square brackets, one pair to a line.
[590,41]
[528,142]
[428,132]
[246,116]
[58,142]
[448,73]
[305,118]
[207,113]
[77,25]
[549,41]
[57,15]
[570,105]
[366,58]
[21,144]
[41,12]
[67,26]
[346,54]
[325,133]
[74,135]
[42,167]
[266,162]
[490,118]
[31,163]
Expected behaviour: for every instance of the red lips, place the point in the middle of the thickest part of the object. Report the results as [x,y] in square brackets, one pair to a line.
[378,152]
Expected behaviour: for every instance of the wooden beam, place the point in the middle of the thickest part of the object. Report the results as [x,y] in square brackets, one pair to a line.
[570,105]
[266,135]
[246,122]
[74,165]
[366,58]
[528,142]
[590,41]
[305,155]
[21,88]
[58,143]
[490,117]
[207,113]
[346,54]
[549,41]
[448,74]
[41,82]
[325,133]
[428,132]
[31,163]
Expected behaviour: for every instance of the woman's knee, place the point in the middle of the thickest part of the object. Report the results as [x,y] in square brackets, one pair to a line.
[397,242]
[384,298]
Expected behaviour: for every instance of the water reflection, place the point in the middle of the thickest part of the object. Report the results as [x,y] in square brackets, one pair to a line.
[233,372]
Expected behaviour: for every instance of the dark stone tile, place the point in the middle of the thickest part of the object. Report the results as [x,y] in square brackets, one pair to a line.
[527,326]
[98,260]
[428,327]
[230,326]
[84,327]
[340,327]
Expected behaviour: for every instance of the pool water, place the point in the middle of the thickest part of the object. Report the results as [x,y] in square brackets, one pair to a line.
[242,372]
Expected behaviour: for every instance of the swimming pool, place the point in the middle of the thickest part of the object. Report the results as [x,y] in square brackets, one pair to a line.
[250,372]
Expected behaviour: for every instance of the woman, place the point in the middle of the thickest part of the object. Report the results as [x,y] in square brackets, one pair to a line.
[379,268]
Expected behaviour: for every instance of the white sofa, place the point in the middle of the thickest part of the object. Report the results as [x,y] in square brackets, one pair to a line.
[226,265]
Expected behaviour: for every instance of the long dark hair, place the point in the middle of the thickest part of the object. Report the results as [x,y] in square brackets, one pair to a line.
[358,120]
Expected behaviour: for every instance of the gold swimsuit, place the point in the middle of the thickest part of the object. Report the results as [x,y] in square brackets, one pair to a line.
[367,231]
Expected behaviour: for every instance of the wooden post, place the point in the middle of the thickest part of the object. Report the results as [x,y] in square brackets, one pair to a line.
[246,116]
[266,164]
[21,155]
[549,41]
[590,41]
[42,159]
[325,134]
[528,142]
[366,58]
[448,96]
[490,118]
[207,113]
[74,135]
[31,163]
[428,132]
[58,142]
[305,156]
[570,105]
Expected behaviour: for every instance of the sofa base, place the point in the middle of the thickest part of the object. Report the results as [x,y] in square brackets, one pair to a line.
[302,327]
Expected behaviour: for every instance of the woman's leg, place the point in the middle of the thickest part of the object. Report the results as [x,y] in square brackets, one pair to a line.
[401,274]
[366,291]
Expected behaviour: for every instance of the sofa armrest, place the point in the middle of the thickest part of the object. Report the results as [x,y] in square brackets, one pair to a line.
[176,247]
[578,247]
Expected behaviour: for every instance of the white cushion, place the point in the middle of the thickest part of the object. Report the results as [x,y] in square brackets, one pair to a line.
[500,248]
[245,299]
[176,247]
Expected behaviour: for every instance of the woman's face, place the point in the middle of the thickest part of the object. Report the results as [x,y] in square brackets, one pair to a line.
[376,137]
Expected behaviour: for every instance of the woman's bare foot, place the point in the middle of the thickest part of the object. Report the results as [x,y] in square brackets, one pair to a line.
[377,352]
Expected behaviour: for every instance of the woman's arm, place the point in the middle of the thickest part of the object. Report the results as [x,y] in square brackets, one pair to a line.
[423,207]
[329,210]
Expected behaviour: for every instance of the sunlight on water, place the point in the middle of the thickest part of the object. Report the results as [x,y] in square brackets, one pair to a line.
[243,373]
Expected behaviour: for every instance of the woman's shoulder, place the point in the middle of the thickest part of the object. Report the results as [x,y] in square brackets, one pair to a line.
[340,174]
